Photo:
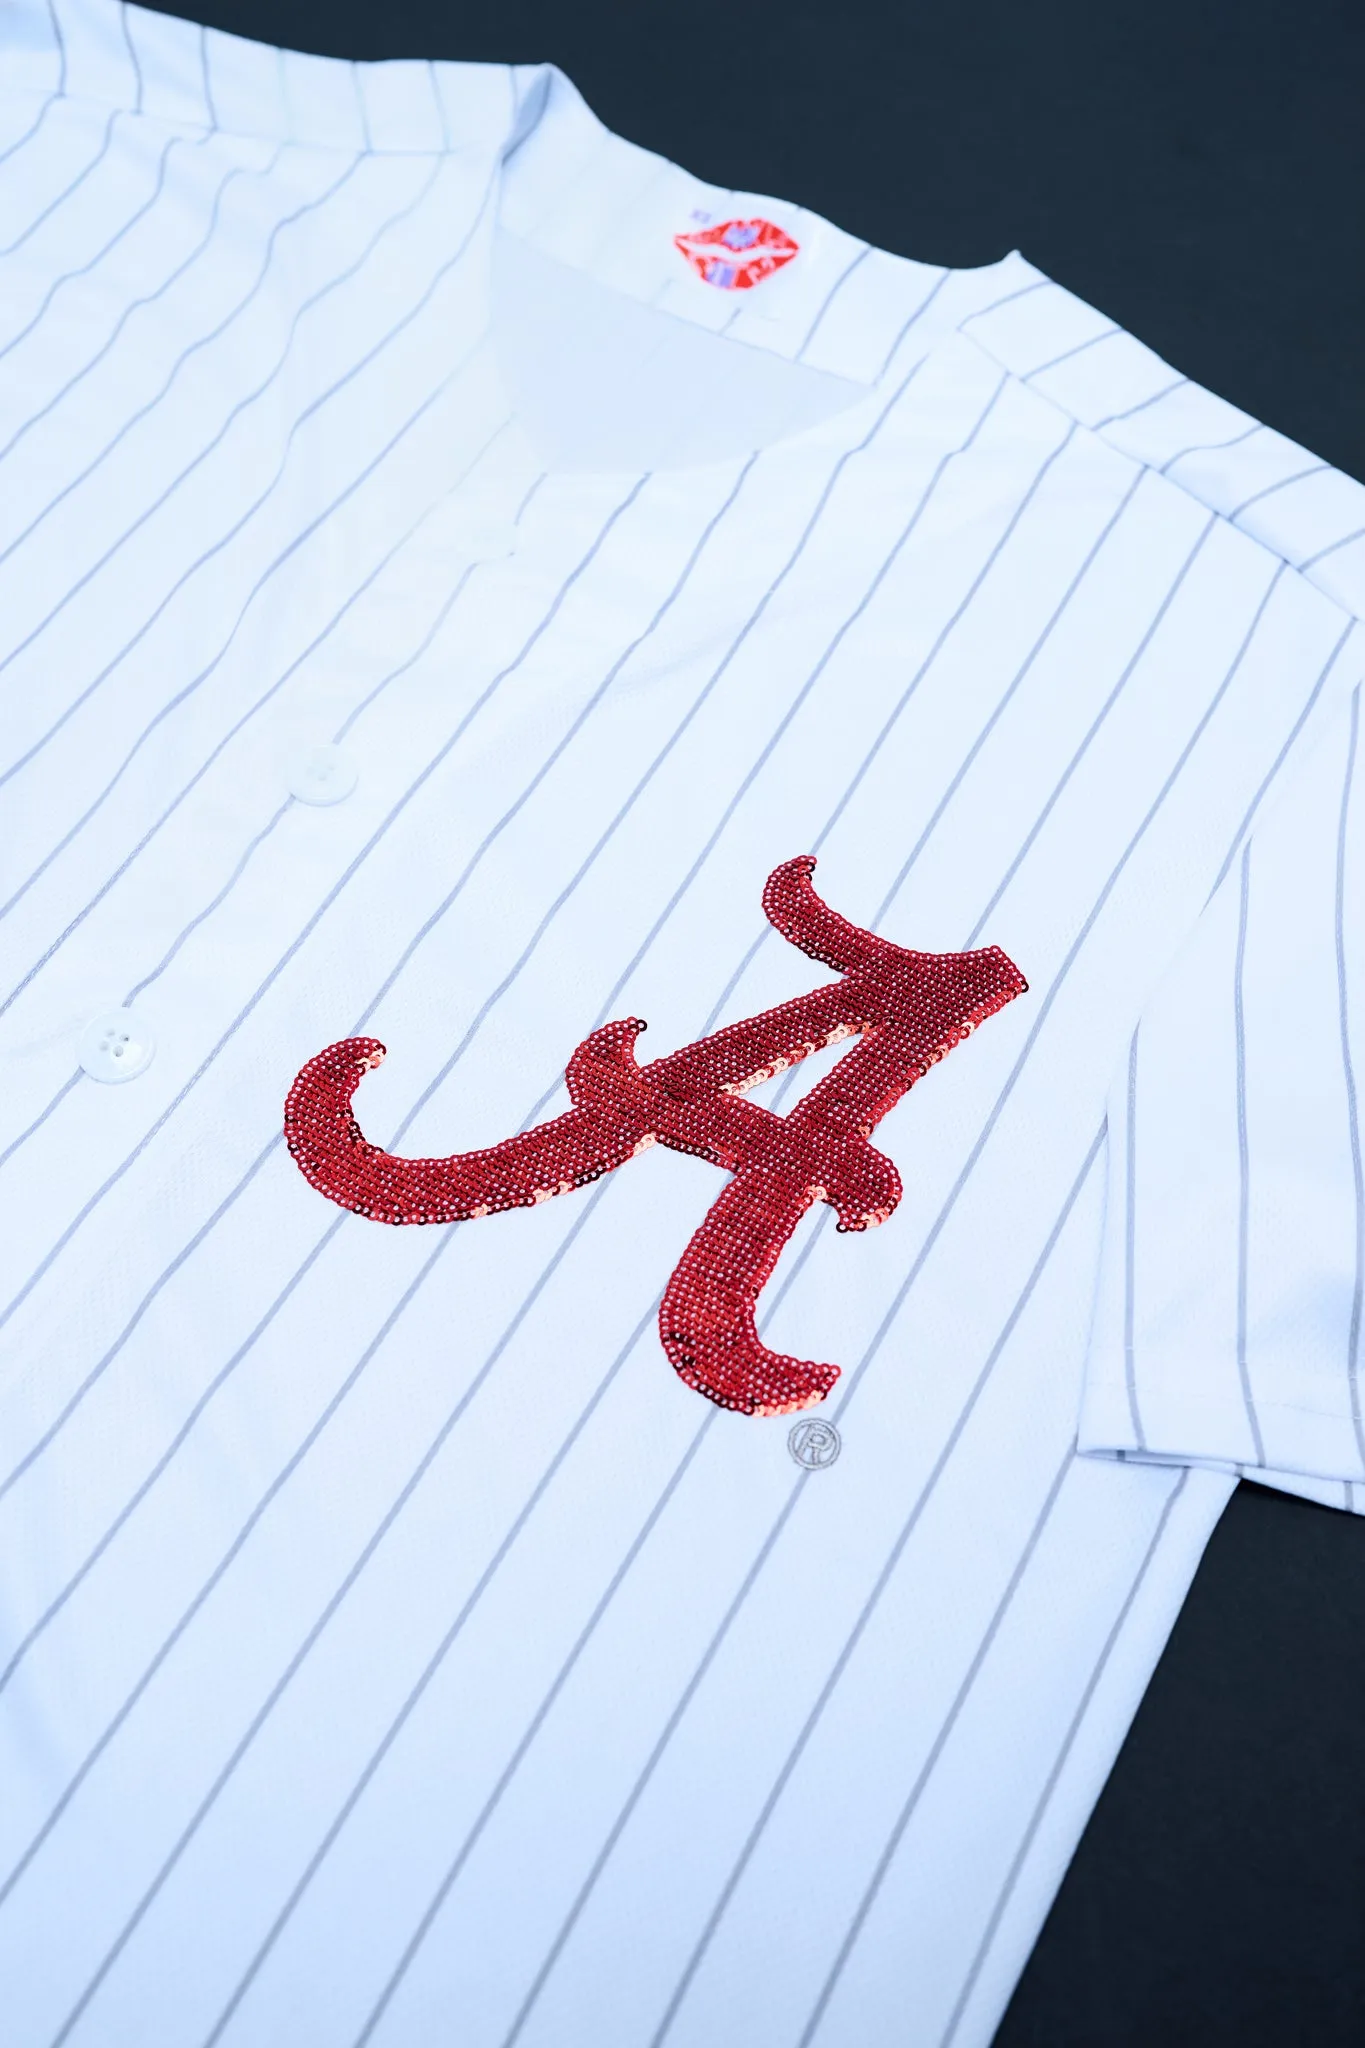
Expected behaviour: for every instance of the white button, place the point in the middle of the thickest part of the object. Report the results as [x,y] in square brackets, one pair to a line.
[323,775]
[117,1046]
[486,540]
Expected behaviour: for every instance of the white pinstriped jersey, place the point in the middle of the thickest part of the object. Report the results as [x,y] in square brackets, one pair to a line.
[393,1648]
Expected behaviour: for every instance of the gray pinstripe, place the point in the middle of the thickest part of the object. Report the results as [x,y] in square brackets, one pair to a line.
[1068,353]
[1038,284]
[360,105]
[59,1601]
[85,268]
[132,55]
[1044,1011]
[830,296]
[1130,1249]
[1111,419]
[433,1664]
[764,935]
[416,1107]
[97,1371]
[729,986]
[1330,549]
[637,1791]
[254,845]
[390,1516]
[747,960]
[172,703]
[439,104]
[794,706]
[339,1595]
[1313,469]
[869,1606]
[1210,447]
[945,633]
[282,76]
[1349,1077]
[249,852]
[14,1304]
[858,1373]
[372,696]
[988,727]
[670,1727]
[67,190]
[272,1492]
[413,1111]
[1268,778]
[936,1749]
[290,951]
[23,1136]
[116,874]
[547,919]
[1243,1159]
[315,405]
[336,1600]
[205,79]
[308,411]
[92,1756]
[1077,1720]
[17,145]
[921,309]
[35,419]
[1099,720]
[760,761]
[150,406]
[887,1321]
[60,40]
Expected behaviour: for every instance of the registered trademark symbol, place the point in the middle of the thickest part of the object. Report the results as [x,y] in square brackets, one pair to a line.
[814,1444]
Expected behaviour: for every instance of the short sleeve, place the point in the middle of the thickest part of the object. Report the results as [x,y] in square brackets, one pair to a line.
[1298,506]
[1228,1325]
[1228,1320]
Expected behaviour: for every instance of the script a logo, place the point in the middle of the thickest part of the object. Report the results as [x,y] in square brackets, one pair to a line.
[738,253]
[908,1010]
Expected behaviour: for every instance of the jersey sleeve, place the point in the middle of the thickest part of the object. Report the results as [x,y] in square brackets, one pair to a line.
[1228,1318]
[1299,507]
[1228,1323]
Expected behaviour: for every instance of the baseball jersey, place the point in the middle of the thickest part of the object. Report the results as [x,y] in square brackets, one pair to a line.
[513,1529]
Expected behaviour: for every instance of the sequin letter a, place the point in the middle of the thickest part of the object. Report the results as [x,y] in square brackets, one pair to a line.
[908,1010]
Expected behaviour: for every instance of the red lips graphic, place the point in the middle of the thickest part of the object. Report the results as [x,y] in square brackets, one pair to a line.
[737,254]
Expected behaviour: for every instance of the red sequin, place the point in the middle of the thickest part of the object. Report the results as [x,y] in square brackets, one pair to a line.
[909,1009]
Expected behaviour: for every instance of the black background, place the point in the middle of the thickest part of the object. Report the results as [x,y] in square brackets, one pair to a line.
[1197,171]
